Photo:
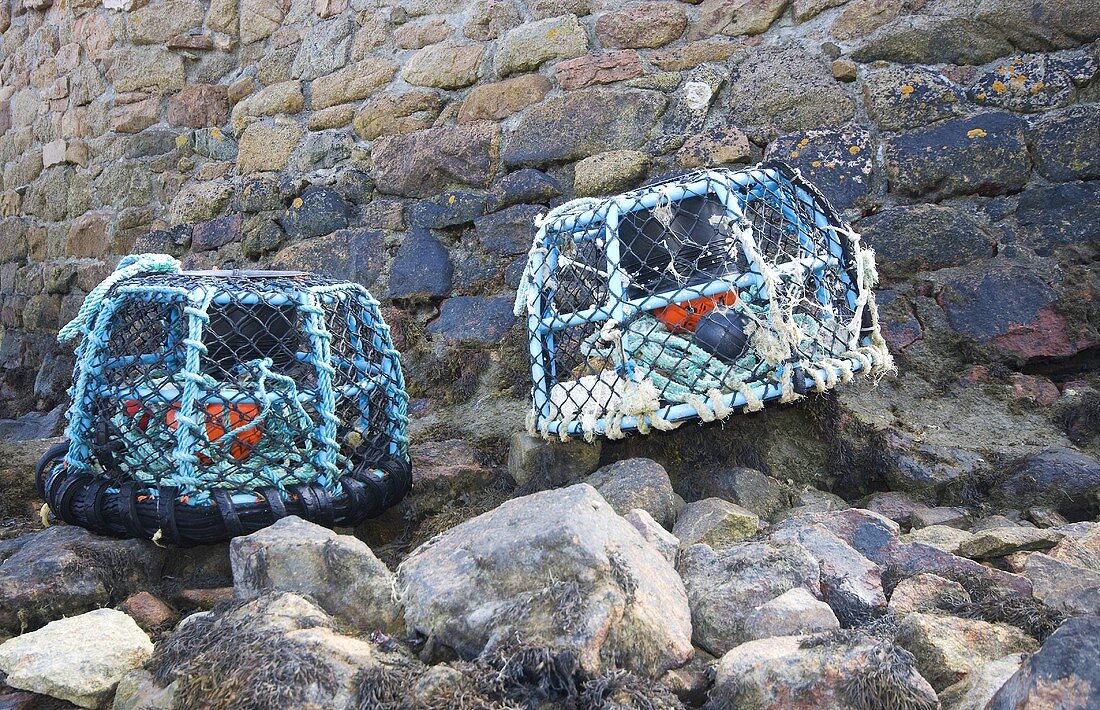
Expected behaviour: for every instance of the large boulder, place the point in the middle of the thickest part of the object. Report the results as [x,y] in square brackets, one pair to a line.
[558,570]
[714,522]
[791,614]
[537,463]
[1063,585]
[800,671]
[339,571]
[637,483]
[1064,673]
[747,487]
[66,570]
[910,238]
[949,648]
[1063,479]
[725,586]
[850,583]
[80,659]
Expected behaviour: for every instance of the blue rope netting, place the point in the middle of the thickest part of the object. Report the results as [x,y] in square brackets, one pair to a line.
[213,383]
[694,298]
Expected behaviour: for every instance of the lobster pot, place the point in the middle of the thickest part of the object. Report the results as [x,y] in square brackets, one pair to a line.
[207,405]
[694,298]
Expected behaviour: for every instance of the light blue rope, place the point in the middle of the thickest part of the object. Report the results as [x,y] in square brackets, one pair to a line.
[128,267]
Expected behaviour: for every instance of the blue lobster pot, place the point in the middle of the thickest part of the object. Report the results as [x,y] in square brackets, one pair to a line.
[209,404]
[694,298]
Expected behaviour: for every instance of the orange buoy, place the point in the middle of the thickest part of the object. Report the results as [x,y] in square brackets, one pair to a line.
[239,415]
[683,317]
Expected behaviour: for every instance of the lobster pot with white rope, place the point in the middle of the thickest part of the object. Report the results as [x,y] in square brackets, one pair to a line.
[209,404]
[694,298]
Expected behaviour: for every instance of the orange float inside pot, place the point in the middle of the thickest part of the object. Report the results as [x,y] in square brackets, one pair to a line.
[683,317]
[239,415]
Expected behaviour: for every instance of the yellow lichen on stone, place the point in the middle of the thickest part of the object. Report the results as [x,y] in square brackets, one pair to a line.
[906,89]
[976,133]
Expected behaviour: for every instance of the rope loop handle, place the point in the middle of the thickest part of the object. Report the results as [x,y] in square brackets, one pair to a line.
[128,267]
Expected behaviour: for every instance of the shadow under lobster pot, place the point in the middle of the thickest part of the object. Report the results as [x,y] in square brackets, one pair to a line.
[209,404]
[693,298]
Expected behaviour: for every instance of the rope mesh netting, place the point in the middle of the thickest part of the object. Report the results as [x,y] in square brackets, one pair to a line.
[694,298]
[209,404]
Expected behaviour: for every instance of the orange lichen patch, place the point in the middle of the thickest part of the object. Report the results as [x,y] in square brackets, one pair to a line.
[976,133]
[816,163]
[297,202]
[854,150]
[804,142]
[999,87]
[1037,87]
[981,96]
[451,200]
[906,90]
[794,153]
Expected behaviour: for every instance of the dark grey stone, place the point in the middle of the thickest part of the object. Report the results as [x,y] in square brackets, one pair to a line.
[1064,143]
[319,211]
[840,162]
[924,238]
[509,231]
[984,155]
[474,318]
[446,210]
[527,185]
[421,268]
[215,233]
[1065,672]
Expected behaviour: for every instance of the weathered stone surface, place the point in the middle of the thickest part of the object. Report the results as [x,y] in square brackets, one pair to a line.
[391,114]
[924,592]
[1063,585]
[1063,673]
[447,474]
[284,97]
[259,18]
[351,254]
[736,17]
[724,586]
[976,690]
[507,231]
[925,470]
[199,106]
[151,613]
[146,69]
[910,97]
[58,660]
[444,66]
[339,571]
[525,47]
[504,98]
[944,537]
[570,536]
[692,54]
[448,209]
[930,39]
[538,463]
[840,161]
[416,35]
[1051,216]
[714,146]
[850,583]
[474,318]
[1061,145]
[358,81]
[583,123]
[924,238]
[637,483]
[948,648]
[776,672]
[1029,83]
[792,613]
[861,17]
[199,201]
[714,522]
[331,117]
[324,49]
[951,516]
[422,163]
[489,19]
[647,24]
[984,155]
[975,306]
[216,233]
[318,211]
[654,533]
[999,542]
[749,488]
[610,172]
[785,89]
[159,22]
[605,68]
[422,267]
[907,559]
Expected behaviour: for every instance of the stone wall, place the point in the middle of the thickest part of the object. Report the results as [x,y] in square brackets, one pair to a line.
[408,144]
